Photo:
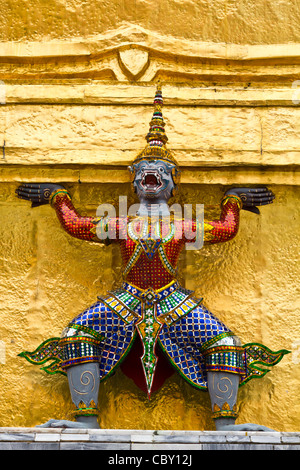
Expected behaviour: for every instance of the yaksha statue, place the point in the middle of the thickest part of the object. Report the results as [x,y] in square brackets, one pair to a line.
[151,315]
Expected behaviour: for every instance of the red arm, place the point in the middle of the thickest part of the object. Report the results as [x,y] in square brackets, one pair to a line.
[94,229]
[72,222]
[227,226]
[216,231]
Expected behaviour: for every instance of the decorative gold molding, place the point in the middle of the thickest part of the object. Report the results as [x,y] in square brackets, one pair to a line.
[85,92]
[133,62]
[130,34]
[134,54]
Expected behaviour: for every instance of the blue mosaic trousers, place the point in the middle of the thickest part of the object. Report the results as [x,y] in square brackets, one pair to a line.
[182,342]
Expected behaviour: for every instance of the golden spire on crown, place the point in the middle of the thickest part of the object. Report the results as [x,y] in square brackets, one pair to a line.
[156,137]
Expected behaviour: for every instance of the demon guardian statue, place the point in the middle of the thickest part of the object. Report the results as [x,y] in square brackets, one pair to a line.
[151,308]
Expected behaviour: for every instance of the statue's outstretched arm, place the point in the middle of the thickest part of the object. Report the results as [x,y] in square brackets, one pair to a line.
[234,201]
[58,197]
[73,223]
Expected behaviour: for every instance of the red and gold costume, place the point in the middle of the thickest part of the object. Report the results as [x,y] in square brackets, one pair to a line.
[142,271]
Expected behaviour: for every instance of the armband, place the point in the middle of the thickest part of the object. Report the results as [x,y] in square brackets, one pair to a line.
[52,198]
[228,197]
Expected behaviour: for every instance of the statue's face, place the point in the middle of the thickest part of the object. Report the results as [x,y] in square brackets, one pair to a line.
[153,179]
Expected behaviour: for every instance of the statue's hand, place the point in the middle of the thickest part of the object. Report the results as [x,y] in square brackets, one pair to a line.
[37,193]
[253,197]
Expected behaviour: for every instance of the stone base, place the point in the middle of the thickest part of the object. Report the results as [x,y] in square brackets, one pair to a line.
[138,440]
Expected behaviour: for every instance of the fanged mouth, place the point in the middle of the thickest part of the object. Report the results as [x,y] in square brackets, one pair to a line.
[151,181]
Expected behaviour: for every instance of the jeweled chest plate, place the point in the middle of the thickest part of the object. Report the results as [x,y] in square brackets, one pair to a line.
[149,237]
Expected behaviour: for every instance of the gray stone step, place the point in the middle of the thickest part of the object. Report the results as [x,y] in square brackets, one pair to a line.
[141,440]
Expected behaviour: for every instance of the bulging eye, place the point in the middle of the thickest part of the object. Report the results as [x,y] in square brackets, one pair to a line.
[161,169]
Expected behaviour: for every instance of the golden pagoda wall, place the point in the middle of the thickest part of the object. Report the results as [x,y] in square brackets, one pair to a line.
[77,85]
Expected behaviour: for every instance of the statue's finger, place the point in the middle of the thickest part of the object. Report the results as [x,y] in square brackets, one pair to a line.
[26,194]
[20,188]
[24,190]
[258,190]
[30,198]
[263,194]
[259,200]
[32,185]
[29,186]
[256,198]
[264,203]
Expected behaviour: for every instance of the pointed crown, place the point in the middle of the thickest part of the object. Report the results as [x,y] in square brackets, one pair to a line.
[156,137]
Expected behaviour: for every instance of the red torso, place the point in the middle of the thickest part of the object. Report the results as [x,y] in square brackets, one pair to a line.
[160,270]
[152,272]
